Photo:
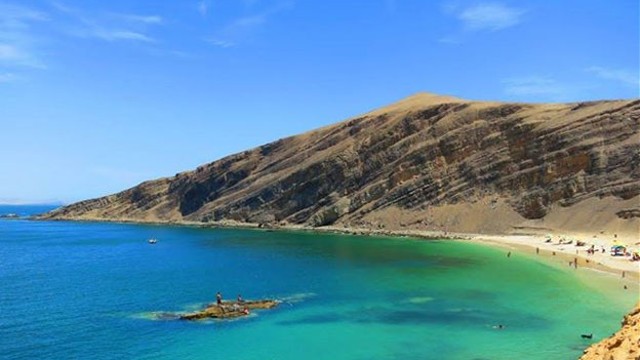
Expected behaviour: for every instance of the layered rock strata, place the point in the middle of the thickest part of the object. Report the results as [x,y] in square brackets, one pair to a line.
[427,162]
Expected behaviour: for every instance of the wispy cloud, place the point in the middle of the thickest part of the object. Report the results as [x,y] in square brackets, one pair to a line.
[9,52]
[481,17]
[236,31]
[17,39]
[7,78]
[116,35]
[203,7]
[624,76]
[535,86]
[489,17]
[219,43]
[144,19]
[241,28]
[108,26]
[450,39]
[16,16]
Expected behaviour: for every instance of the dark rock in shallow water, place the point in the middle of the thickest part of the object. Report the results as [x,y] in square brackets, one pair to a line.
[230,309]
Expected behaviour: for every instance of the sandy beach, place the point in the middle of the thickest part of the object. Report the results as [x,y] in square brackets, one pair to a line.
[575,256]
[539,245]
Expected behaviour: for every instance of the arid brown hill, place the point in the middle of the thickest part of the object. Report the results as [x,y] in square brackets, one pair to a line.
[426,162]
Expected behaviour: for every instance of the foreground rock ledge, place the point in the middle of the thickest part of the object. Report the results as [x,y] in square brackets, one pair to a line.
[623,345]
[229,309]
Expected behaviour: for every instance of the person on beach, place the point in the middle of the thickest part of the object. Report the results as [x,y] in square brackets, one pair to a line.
[219,298]
[240,299]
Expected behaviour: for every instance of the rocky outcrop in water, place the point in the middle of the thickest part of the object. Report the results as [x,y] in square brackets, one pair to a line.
[230,310]
[421,163]
[623,345]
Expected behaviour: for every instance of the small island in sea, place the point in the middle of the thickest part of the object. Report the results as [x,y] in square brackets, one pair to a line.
[229,309]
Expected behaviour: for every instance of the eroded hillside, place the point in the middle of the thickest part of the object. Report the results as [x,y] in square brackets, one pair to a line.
[427,162]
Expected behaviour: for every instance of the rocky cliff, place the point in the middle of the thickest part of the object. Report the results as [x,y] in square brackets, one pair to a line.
[623,345]
[426,162]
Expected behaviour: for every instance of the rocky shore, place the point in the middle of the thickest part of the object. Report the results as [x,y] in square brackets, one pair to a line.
[623,345]
[230,309]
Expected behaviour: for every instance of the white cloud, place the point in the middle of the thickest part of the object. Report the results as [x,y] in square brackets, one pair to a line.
[115,35]
[489,17]
[20,53]
[450,39]
[534,86]
[625,76]
[241,28]
[109,26]
[9,52]
[16,16]
[145,19]
[7,78]
[203,7]
[17,37]
[220,43]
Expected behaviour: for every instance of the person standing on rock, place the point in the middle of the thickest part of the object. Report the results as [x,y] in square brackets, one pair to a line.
[219,298]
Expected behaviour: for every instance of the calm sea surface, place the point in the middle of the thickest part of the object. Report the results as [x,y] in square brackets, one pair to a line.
[93,291]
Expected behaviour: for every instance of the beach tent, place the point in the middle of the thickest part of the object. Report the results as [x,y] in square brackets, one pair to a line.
[618,250]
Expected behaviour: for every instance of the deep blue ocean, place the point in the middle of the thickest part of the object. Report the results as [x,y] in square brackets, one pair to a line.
[80,290]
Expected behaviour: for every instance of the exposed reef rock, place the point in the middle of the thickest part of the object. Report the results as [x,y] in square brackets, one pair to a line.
[411,165]
[623,345]
[229,309]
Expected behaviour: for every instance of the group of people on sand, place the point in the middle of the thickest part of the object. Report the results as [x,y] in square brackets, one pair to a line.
[235,306]
[592,250]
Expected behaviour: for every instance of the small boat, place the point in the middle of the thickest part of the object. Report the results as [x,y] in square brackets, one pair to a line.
[152,241]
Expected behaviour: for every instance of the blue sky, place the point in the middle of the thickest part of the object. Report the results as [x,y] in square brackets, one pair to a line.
[97,96]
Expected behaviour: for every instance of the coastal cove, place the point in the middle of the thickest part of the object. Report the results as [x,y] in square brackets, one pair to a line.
[343,296]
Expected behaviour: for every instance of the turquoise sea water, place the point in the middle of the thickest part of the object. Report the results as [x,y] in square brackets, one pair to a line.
[92,291]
